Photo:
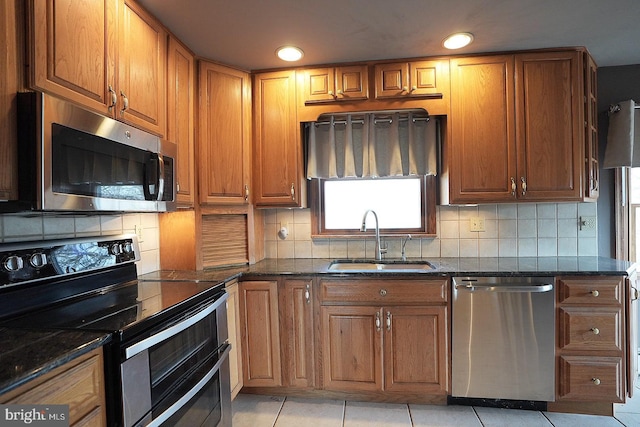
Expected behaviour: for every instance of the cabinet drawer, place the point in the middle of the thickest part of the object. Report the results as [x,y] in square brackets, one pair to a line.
[80,387]
[590,378]
[590,328]
[381,291]
[590,290]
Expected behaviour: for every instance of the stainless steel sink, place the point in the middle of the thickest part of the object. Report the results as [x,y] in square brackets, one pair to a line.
[366,265]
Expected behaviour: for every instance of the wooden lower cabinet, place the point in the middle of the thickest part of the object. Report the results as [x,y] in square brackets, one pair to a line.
[296,321]
[235,337]
[79,384]
[400,348]
[260,333]
[591,350]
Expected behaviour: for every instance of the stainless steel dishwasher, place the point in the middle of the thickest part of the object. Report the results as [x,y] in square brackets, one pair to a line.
[503,344]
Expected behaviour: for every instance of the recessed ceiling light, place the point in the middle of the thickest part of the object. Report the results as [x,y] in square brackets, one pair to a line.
[289,53]
[457,40]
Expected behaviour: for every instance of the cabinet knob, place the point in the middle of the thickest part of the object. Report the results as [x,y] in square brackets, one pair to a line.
[595,331]
[339,91]
[595,293]
[414,88]
[383,292]
[405,88]
[596,381]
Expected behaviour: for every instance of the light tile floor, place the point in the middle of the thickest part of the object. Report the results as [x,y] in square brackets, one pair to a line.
[269,411]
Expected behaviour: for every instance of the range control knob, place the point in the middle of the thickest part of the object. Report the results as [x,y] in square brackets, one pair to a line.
[115,249]
[38,260]
[128,248]
[13,263]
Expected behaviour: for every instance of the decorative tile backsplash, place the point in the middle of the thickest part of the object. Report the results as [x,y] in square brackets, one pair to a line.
[511,230]
[17,228]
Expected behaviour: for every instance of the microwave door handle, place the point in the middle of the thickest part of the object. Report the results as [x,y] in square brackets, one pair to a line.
[151,177]
[160,187]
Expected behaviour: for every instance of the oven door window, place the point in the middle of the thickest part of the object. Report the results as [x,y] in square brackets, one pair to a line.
[181,356]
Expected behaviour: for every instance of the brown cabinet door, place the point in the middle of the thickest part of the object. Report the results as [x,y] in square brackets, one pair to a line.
[415,349]
[235,338]
[352,82]
[73,50]
[181,88]
[142,64]
[549,121]
[392,80]
[590,378]
[224,136]
[429,78]
[592,172]
[11,64]
[482,149]
[260,334]
[277,146]
[319,84]
[297,336]
[352,348]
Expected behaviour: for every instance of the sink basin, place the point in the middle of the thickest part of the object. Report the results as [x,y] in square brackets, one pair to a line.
[370,265]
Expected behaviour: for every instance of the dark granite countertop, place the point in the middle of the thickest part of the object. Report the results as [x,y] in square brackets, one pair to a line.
[529,266]
[26,354]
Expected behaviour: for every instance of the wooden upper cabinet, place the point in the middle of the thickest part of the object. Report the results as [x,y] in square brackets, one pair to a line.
[482,151]
[181,90]
[11,81]
[77,46]
[224,135]
[277,142]
[73,50]
[428,79]
[142,63]
[592,172]
[347,83]
[517,128]
[549,123]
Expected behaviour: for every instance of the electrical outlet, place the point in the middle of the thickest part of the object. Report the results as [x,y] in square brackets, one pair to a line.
[138,230]
[587,222]
[476,223]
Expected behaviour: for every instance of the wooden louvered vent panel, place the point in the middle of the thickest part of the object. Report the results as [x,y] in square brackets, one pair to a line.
[224,240]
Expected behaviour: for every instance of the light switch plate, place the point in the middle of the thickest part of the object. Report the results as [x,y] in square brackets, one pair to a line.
[476,223]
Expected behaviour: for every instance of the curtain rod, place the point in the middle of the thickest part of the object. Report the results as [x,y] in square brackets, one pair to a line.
[375,121]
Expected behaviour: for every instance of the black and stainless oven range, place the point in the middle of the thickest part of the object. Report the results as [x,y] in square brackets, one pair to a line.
[167,362]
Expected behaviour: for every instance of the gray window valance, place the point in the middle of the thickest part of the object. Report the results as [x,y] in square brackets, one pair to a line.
[372,145]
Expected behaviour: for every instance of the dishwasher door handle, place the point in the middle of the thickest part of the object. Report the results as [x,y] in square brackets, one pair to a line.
[473,287]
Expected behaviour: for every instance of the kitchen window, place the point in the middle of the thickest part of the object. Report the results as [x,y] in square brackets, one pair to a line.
[403,205]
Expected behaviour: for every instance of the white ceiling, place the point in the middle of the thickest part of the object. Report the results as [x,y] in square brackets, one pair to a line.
[246,33]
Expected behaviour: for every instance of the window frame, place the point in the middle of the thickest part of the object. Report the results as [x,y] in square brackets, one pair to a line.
[428,192]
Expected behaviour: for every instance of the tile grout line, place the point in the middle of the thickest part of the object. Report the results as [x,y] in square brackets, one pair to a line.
[477,416]
[344,411]
[410,417]
[279,411]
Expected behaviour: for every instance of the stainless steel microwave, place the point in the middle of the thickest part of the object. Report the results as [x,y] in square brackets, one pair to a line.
[72,159]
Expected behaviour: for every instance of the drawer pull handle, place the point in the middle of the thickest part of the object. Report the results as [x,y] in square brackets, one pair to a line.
[596,381]
[383,292]
[595,293]
[595,331]
[307,294]
[378,321]
[388,321]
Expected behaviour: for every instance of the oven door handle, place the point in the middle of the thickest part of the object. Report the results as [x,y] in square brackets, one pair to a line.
[175,329]
[187,397]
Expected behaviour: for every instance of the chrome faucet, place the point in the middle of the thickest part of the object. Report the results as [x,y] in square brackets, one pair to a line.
[404,243]
[379,250]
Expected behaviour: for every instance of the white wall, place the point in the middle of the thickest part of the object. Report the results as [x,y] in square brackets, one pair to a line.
[17,228]
[542,229]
